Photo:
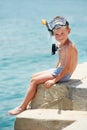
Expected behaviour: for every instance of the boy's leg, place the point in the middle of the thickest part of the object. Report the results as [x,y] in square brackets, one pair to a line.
[31,91]
[33,87]
[40,73]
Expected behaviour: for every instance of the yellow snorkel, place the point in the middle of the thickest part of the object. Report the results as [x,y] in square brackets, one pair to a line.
[54,47]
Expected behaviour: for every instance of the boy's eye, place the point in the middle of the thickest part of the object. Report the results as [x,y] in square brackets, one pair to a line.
[57,34]
[62,33]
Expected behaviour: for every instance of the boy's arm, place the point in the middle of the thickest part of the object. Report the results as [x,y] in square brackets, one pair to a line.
[57,64]
[61,75]
[66,68]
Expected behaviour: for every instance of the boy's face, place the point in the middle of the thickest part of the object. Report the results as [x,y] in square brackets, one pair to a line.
[61,34]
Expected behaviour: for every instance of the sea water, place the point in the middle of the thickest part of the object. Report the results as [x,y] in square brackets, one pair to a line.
[25,45]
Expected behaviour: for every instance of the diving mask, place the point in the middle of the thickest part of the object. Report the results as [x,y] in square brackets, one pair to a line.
[56,23]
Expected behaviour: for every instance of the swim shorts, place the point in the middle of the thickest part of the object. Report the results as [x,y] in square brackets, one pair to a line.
[56,71]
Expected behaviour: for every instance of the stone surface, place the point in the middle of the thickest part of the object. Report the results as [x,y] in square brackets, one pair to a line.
[80,124]
[47,119]
[71,95]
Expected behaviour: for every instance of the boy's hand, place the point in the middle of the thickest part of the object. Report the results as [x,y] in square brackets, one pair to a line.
[49,83]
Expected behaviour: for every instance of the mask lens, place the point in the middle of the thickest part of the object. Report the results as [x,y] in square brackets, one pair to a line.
[58,22]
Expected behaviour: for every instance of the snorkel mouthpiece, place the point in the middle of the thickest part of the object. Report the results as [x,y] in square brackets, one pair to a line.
[54,49]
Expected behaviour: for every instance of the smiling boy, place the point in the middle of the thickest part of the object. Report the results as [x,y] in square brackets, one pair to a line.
[67,52]
[68,57]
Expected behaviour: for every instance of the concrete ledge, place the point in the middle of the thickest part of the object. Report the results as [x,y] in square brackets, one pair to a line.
[63,96]
[71,95]
[47,119]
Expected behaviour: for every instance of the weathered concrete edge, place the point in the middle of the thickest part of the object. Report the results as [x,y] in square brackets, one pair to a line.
[43,117]
[80,124]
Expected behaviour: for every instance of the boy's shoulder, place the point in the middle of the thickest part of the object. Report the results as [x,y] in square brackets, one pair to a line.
[72,44]
[73,47]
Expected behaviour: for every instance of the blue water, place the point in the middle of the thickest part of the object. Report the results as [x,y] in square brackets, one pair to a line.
[25,45]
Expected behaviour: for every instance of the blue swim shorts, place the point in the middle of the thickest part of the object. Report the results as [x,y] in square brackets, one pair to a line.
[56,71]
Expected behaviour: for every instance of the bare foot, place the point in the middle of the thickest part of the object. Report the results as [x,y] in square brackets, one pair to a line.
[16,111]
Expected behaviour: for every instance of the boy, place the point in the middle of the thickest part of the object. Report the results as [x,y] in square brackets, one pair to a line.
[66,65]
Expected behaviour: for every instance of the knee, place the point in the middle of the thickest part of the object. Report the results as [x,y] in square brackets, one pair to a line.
[33,76]
[34,80]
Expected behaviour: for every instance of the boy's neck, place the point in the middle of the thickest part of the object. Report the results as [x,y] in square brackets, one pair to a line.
[65,42]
